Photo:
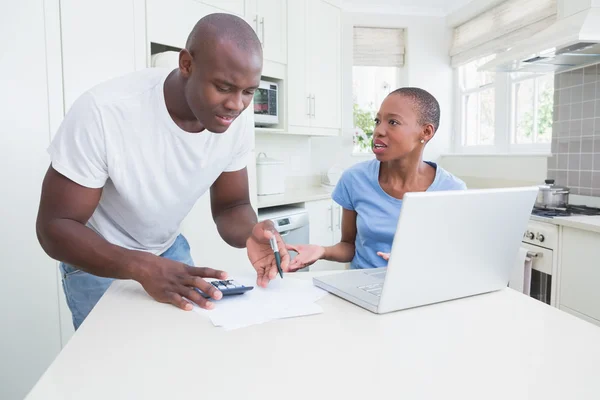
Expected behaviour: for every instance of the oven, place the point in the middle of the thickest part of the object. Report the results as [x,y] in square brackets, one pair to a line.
[540,266]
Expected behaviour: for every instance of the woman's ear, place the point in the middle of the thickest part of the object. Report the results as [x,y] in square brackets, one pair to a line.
[428,132]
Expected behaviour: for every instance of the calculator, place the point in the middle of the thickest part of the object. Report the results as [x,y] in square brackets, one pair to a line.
[228,287]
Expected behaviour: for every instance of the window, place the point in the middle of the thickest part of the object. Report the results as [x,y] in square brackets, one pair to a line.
[499,112]
[370,85]
[477,104]
[532,105]
[378,58]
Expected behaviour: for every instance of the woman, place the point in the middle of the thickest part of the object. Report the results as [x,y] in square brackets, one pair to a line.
[371,192]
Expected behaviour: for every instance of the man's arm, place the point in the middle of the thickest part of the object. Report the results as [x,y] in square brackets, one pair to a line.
[231,209]
[65,207]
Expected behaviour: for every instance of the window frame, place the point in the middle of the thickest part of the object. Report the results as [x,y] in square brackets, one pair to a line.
[504,129]
[529,147]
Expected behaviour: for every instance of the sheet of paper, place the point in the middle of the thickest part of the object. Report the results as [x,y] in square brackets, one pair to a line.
[283,298]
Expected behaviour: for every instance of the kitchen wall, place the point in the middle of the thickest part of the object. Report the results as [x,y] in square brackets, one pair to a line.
[489,171]
[293,150]
[575,160]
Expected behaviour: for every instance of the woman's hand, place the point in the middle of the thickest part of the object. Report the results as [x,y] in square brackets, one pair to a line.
[307,255]
[385,256]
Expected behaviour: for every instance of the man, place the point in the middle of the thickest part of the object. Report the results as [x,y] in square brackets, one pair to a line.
[134,154]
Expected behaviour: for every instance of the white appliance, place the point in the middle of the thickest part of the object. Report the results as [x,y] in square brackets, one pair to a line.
[291,222]
[448,245]
[270,175]
[541,242]
[573,41]
[266,107]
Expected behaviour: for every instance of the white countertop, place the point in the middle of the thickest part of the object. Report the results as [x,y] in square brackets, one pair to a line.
[296,195]
[585,222]
[502,345]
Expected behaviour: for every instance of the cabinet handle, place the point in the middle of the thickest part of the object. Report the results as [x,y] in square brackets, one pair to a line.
[330,209]
[262,23]
[256,26]
[314,113]
[308,106]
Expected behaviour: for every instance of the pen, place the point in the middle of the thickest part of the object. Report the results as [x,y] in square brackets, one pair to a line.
[273,241]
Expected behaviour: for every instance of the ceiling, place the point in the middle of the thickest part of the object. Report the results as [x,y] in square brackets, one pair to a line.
[408,7]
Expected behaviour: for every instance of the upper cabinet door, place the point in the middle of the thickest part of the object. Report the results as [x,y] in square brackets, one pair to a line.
[170,22]
[92,53]
[325,63]
[231,6]
[297,79]
[272,29]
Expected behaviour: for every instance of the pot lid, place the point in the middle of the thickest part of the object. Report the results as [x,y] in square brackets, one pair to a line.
[262,159]
[550,185]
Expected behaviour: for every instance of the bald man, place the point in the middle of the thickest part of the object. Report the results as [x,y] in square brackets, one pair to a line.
[134,154]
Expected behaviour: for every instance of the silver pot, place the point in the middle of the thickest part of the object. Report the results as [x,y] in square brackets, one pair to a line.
[552,196]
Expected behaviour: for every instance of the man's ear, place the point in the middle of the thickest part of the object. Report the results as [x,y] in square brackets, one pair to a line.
[185,63]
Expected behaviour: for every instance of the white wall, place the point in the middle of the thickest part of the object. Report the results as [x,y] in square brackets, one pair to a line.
[497,171]
[427,66]
[293,150]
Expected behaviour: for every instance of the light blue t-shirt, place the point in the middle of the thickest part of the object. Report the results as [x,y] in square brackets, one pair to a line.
[377,212]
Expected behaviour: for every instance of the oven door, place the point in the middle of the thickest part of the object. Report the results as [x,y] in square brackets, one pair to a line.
[541,272]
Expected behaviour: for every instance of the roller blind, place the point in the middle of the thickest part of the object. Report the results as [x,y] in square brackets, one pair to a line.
[379,47]
[496,29]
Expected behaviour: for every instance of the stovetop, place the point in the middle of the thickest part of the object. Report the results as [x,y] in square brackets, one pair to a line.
[569,210]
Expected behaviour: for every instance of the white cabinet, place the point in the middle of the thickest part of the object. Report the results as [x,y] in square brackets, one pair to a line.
[231,6]
[92,53]
[325,219]
[269,19]
[170,22]
[580,273]
[314,67]
[30,333]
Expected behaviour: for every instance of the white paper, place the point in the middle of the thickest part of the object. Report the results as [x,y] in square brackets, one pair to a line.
[283,298]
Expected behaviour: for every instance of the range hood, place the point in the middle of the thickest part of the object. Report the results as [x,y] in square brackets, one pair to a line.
[573,41]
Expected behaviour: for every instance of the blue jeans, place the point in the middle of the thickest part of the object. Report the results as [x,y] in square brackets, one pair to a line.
[83,290]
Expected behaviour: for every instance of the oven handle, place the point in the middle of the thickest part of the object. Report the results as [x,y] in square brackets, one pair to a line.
[532,254]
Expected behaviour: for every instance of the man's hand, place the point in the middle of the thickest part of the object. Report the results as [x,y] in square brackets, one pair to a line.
[261,255]
[169,281]
[308,254]
[385,256]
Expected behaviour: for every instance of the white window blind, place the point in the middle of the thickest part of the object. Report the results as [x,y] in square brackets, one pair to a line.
[498,28]
[378,47]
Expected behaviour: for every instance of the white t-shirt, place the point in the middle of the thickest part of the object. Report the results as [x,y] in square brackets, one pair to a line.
[120,136]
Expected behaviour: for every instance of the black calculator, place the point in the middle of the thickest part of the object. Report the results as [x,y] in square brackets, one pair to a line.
[228,287]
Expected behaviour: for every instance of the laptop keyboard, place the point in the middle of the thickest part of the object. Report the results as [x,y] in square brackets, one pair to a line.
[380,274]
[374,288]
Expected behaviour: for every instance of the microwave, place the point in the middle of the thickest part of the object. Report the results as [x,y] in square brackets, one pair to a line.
[266,112]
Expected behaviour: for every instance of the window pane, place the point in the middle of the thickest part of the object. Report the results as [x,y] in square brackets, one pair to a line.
[523,111]
[487,109]
[473,78]
[545,106]
[470,124]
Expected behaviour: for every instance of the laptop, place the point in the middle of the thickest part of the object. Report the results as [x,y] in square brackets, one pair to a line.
[448,245]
